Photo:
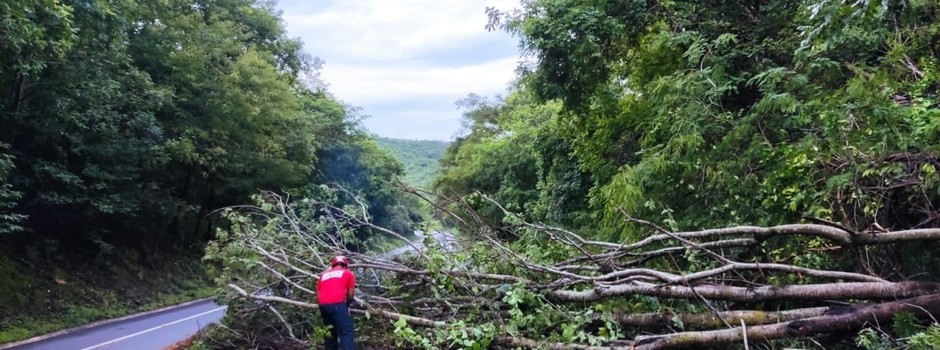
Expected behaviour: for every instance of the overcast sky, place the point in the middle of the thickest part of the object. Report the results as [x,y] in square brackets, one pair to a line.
[406,62]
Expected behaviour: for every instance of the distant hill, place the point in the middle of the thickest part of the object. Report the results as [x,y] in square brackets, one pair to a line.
[419,157]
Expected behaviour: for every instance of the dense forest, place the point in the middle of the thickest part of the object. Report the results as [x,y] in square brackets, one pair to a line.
[419,158]
[663,174]
[128,123]
[125,125]
[670,174]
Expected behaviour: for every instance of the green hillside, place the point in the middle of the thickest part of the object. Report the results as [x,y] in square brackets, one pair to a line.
[418,156]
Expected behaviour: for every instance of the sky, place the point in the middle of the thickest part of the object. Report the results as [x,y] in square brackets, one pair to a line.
[406,62]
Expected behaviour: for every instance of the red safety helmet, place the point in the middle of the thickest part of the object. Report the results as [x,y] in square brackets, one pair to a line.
[339,260]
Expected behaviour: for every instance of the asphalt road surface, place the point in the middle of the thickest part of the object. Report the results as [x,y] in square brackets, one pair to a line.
[159,330]
[148,332]
[448,240]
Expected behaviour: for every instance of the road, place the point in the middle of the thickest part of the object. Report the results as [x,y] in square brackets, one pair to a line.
[158,330]
[447,239]
[371,276]
[154,331]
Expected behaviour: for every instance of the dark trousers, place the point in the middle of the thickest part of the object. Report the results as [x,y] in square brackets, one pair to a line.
[337,316]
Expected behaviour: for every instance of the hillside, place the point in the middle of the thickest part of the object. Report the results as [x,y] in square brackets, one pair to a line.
[418,156]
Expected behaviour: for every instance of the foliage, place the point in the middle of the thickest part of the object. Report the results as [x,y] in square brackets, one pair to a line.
[529,285]
[928,339]
[125,126]
[309,231]
[516,151]
[367,175]
[419,157]
[722,113]
[458,336]
[235,260]
[129,124]
[692,115]
[871,339]
[8,197]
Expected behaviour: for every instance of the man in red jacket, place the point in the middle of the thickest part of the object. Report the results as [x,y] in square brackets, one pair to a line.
[335,290]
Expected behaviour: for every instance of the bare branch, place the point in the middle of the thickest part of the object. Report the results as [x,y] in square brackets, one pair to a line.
[852,290]
[290,330]
[837,320]
[288,246]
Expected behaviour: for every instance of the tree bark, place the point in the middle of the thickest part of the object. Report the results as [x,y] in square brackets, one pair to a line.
[805,292]
[596,273]
[515,342]
[661,320]
[843,319]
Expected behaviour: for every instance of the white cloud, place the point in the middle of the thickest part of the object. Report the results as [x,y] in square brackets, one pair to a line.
[365,85]
[390,30]
[426,52]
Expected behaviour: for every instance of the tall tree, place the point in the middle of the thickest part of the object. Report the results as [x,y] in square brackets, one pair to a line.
[516,151]
[132,122]
[759,112]
[9,221]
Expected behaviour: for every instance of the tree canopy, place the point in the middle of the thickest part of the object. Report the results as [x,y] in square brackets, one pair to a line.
[721,113]
[667,174]
[419,157]
[658,166]
[130,123]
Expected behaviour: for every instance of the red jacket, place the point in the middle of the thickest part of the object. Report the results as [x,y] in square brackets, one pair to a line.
[334,284]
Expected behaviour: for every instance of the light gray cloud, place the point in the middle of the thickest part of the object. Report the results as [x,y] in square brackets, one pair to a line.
[405,62]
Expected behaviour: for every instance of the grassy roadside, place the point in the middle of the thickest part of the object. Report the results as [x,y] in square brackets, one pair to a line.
[39,297]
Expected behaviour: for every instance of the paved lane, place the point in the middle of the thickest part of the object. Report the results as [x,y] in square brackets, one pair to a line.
[148,332]
[446,239]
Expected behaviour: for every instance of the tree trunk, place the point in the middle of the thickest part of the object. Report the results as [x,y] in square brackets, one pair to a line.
[805,292]
[844,319]
[711,320]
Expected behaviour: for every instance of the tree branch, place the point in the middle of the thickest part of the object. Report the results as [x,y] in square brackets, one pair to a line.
[806,292]
[837,320]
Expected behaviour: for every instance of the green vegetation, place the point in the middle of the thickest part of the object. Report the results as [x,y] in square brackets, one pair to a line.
[697,115]
[708,115]
[643,119]
[39,298]
[8,220]
[419,157]
[126,125]
[163,113]
[907,334]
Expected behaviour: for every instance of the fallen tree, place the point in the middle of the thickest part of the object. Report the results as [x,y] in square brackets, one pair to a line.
[547,287]
[837,320]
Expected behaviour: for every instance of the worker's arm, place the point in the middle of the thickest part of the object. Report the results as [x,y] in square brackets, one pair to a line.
[351,289]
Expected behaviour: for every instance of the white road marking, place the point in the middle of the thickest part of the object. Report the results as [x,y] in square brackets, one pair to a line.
[153,329]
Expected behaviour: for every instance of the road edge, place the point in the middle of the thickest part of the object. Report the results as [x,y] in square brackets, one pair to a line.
[98,323]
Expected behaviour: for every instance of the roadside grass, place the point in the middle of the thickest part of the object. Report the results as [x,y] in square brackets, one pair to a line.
[42,297]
